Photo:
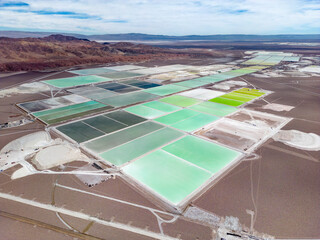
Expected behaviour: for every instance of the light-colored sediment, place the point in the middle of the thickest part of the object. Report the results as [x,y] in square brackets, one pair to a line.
[229,84]
[277,107]
[300,140]
[30,141]
[22,172]
[26,88]
[56,155]
[45,151]
[311,69]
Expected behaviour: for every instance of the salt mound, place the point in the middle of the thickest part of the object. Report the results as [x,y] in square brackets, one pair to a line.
[300,140]
[30,141]
[56,155]
[22,172]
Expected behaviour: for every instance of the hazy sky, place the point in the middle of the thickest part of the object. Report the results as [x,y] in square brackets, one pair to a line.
[170,17]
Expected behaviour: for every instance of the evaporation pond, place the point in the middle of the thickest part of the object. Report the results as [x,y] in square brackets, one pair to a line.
[227,101]
[165,89]
[93,127]
[166,175]
[213,108]
[140,146]
[179,100]
[56,115]
[76,81]
[115,139]
[207,155]
[79,131]
[175,117]
[128,99]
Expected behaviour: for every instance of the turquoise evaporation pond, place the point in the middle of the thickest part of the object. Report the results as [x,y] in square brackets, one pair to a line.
[214,78]
[152,109]
[191,83]
[181,167]
[166,89]
[57,115]
[272,60]
[193,123]
[90,71]
[91,92]
[128,151]
[115,139]
[179,100]
[213,108]
[76,81]
[166,175]
[187,120]
[120,74]
[128,99]
[291,59]
[207,155]
[256,60]
[239,72]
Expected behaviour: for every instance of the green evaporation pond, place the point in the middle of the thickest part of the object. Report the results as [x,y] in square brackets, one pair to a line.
[204,154]
[76,81]
[66,108]
[253,94]
[291,59]
[73,114]
[92,92]
[64,113]
[144,111]
[257,68]
[237,97]
[165,89]
[152,110]
[249,91]
[191,83]
[241,95]
[131,150]
[120,74]
[79,131]
[161,106]
[180,101]
[226,101]
[195,122]
[115,139]
[166,175]
[234,73]
[175,117]
[128,99]
[214,78]
[213,108]
[90,71]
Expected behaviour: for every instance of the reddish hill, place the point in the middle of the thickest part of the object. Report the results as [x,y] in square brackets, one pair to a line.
[23,54]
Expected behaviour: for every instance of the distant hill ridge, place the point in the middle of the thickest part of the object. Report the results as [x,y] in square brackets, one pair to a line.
[57,50]
[149,37]
[62,38]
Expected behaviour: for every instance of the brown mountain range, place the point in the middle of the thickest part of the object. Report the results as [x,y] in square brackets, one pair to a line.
[56,51]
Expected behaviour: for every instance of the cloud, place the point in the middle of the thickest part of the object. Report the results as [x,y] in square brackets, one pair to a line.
[13,4]
[66,14]
[170,17]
